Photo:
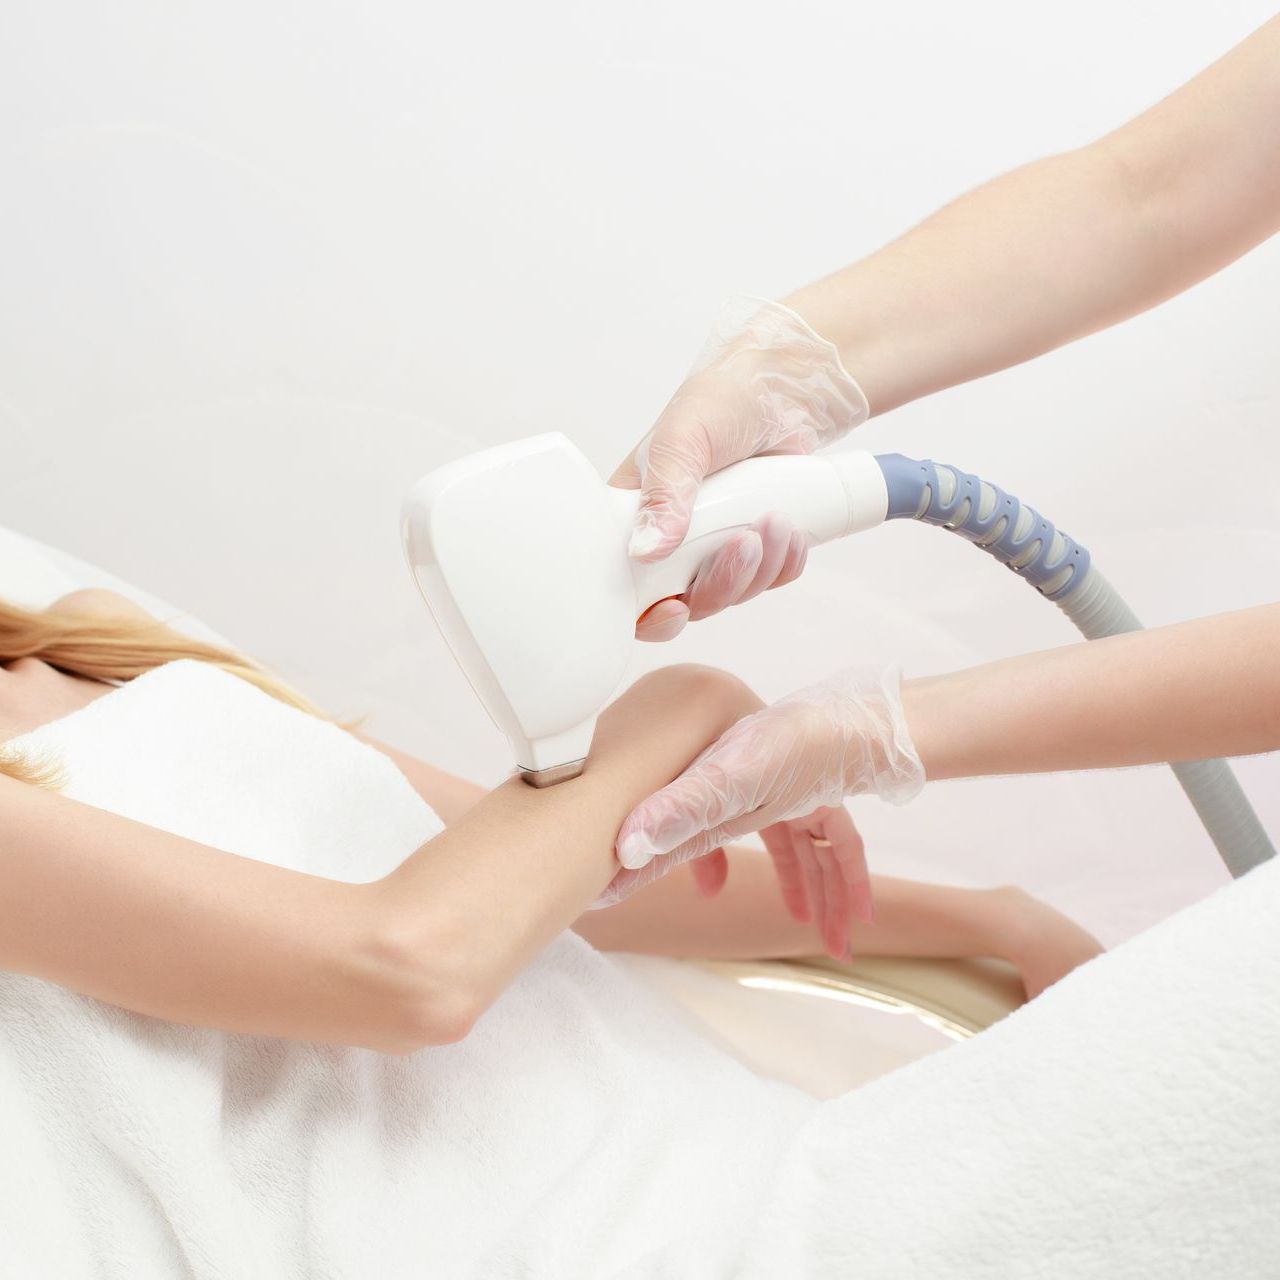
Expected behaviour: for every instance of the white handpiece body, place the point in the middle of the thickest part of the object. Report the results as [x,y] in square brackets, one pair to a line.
[521,555]
[828,496]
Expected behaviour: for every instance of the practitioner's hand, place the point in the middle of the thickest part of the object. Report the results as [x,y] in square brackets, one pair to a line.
[767,554]
[844,737]
[764,383]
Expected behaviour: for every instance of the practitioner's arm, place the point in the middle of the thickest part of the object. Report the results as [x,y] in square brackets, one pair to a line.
[1191,691]
[1066,245]
[1034,259]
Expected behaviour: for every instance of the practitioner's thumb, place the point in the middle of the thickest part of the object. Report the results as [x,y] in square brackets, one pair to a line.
[673,460]
[662,520]
[673,818]
[647,830]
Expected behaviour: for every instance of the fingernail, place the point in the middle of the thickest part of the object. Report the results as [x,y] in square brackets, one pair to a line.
[636,850]
[646,537]
[662,631]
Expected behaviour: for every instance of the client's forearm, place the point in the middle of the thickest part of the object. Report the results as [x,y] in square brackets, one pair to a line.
[748,920]
[1186,692]
[471,908]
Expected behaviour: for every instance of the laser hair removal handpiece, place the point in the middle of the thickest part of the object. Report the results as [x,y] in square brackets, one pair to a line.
[520,552]
[521,555]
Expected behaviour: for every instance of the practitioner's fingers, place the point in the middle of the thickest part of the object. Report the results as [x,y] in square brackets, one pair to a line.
[746,564]
[663,621]
[794,561]
[777,840]
[775,532]
[723,579]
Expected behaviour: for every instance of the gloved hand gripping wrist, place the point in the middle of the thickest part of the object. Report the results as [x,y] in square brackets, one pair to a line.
[844,736]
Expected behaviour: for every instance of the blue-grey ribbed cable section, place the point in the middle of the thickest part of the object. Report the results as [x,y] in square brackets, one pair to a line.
[1060,569]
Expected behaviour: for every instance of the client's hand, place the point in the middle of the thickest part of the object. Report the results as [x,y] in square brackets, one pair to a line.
[821,866]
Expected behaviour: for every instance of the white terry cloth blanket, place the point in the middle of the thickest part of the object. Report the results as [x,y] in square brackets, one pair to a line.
[1125,1124]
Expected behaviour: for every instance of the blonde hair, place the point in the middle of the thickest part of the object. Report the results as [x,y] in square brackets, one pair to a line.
[111,646]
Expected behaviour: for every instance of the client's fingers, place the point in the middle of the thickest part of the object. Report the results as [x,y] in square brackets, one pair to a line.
[835,893]
[811,874]
[777,840]
[850,853]
[710,872]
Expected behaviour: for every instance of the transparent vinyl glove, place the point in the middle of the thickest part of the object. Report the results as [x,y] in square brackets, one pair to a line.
[764,383]
[800,757]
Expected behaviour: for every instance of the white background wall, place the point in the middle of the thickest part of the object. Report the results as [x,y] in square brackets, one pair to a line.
[262,265]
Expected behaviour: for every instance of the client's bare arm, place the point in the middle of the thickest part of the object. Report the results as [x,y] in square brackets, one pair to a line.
[463,915]
[169,927]
[748,919]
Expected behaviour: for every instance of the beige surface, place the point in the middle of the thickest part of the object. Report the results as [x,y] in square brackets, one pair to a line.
[828,1028]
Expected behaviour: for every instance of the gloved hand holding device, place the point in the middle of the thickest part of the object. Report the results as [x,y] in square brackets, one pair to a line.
[764,383]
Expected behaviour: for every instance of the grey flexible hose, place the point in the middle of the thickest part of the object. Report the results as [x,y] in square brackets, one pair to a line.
[1060,569]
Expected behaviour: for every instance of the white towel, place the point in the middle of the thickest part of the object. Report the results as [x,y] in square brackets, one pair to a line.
[1125,1124]
[582,1129]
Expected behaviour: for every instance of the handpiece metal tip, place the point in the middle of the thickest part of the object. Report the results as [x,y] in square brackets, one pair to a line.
[559,773]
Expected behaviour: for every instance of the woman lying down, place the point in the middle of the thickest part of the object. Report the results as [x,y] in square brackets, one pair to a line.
[264,1014]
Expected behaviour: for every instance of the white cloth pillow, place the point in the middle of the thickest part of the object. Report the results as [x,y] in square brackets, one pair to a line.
[33,575]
